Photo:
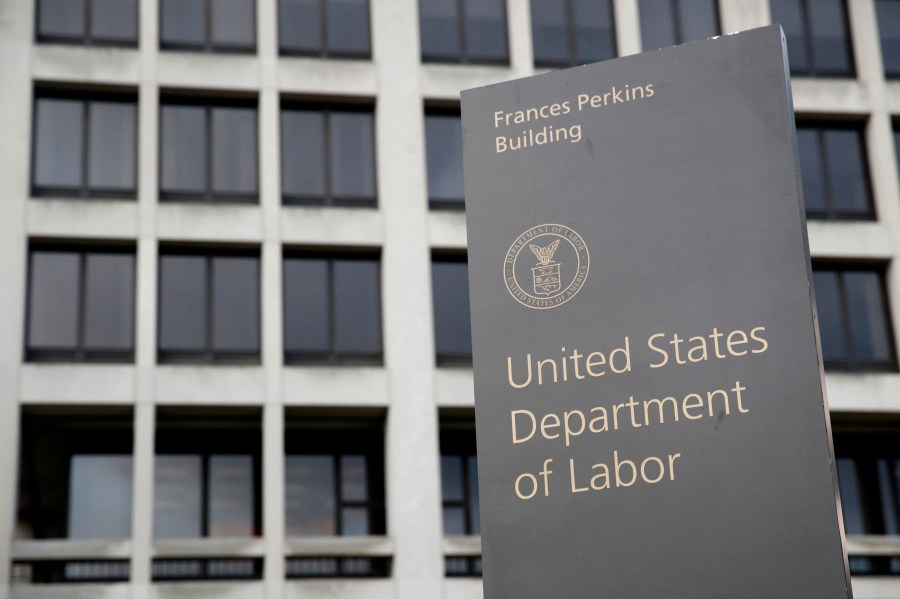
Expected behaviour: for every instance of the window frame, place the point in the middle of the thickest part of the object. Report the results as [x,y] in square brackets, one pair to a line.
[223,428]
[464,57]
[442,205]
[337,439]
[325,50]
[852,364]
[329,199]
[208,46]
[209,195]
[676,24]
[331,357]
[86,38]
[830,213]
[84,190]
[572,59]
[457,439]
[80,354]
[208,355]
[812,70]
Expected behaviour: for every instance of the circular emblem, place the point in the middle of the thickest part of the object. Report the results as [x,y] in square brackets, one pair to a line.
[546,266]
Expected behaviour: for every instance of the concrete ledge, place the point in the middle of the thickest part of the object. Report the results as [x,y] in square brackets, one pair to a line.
[445,81]
[463,588]
[447,230]
[314,226]
[867,240]
[119,590]
[863,392]
[818,96]
[209,385]
[345,589]
[70,549]
[462,546]
[201,70]
[229,589]
[374,546]
[209,222]
[343,386]
[94,64]
[322,77]
[875,587]
[454,387]
[873,545]
[209,547]
[78,218]
[78,383]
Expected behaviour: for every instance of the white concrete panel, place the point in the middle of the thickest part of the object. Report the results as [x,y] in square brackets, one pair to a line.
[209,222]
[445,81]
[875,587]
[339,589]
[78,383]
[70,549]
[447,230]
[71,591]
[850,239]
[209,385]
[200,71]
[207,590]
[86,219]
[822,97]
[329,386]
[208,547]
[96,64]
[463,588]
[863,392]
[317,77]
[359,227]
[373,546]
[454,387]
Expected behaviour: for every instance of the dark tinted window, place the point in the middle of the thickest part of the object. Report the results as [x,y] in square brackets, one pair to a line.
[332,308]
[208,153]
[75,474]
[334,481]
[443,144]
[207,480]
[888,12]
[818,39]
[80,305]
[463,31]
[452,330]
[106,22]
[228,25]
[459,480]
[84,146]
[868,468]
[570,32]
[327,157]
[338,28]
[854,322]
[208,307]
[670,22]
[834,170]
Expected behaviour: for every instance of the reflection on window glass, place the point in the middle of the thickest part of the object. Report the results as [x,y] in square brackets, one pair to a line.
[333,482]
[80,305]
[331,28]
[888,13]
[834,172]
[208,25]
[100,497]
[84,147]
[100,22]
[853,319]
[450,292]
[667,23]
[443,149]
[464,31]
[208,307]
[459,480]
[332,309]
[328,157]
[818,39]
[208,153]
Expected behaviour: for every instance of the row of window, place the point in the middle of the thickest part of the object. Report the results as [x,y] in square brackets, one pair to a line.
[81,308]
[81,303]
[86,146]
[76,476]
[565,32]
[76,480]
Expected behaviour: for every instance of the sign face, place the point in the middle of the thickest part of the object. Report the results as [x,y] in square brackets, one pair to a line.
[648,384]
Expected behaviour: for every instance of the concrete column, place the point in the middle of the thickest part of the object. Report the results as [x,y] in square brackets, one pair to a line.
[628,26]
[16,30]
[740,15]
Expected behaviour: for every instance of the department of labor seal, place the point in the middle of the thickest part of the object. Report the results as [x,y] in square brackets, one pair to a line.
[546,266]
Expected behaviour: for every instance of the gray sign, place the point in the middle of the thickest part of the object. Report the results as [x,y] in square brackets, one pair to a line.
[648,383]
